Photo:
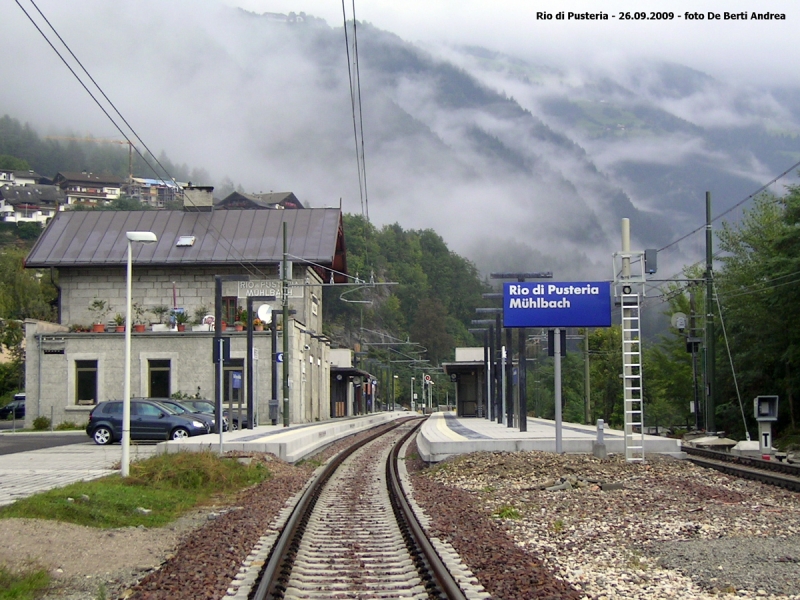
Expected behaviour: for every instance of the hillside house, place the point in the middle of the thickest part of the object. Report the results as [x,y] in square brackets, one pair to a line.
[69,369]
[89,188]
[29,203]
[273,200]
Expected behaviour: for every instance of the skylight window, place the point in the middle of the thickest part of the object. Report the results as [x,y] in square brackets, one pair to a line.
[185,240]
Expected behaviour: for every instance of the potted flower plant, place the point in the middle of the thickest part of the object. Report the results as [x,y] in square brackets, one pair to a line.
[120,321]
[138,313]
[160,313]
[181,318]
[100,308]
[258,325]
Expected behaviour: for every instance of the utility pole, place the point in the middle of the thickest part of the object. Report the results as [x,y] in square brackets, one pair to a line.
[587,407]
[710,334]
[285,301]
[693,347]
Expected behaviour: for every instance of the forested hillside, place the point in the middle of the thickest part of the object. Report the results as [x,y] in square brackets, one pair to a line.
[414,287]
[49,155]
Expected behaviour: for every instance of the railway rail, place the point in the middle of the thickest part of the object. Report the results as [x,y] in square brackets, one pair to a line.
[781,474]
[353,533]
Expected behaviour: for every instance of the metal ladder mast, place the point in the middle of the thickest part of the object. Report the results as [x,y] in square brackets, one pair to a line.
[632,378]
[628,283]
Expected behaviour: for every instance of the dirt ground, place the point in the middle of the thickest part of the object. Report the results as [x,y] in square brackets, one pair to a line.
[89,563]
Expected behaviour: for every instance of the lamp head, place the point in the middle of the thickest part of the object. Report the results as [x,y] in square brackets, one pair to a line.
[145,237]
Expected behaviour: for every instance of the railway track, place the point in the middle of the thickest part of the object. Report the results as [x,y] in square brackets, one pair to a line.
[776,473]
[353,534]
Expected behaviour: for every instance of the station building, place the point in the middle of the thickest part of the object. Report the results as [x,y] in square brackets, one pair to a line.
[70,368]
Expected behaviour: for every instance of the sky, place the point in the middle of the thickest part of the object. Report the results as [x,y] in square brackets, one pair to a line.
[215,93]
[757,52]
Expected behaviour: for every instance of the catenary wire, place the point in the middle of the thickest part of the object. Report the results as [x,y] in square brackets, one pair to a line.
[248,266]
[133,131]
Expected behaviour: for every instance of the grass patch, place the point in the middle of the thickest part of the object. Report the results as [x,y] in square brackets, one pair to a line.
[166,486]
[22,584]
[558,526]
[507,512]
[70,426]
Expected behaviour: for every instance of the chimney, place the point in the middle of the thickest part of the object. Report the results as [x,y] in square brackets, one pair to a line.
[198,198]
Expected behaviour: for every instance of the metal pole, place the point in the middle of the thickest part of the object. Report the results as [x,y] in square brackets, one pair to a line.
[249,364]
[509,378]
[218,343]
[126,389]
[218,409]
[273,329]
[498,371]
[490,405]
[557,381]
[522,366]
[285,299]
[487,373]
[710,334]
[587,379]
[692,331]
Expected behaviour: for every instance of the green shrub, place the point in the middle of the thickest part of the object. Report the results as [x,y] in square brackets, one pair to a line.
[41,423]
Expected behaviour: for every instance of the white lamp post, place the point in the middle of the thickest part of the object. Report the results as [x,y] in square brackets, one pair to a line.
[144,237]
[413,405]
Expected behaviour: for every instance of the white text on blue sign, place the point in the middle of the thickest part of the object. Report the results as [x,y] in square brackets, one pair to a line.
[573,304]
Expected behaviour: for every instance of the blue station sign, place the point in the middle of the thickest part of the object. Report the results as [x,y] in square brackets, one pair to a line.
[552,304]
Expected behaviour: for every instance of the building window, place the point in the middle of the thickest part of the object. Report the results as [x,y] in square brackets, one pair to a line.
[86,382]
[159,371]
[230,307]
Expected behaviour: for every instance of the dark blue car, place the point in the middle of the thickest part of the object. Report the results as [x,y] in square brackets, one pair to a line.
[149,421]
[15,408]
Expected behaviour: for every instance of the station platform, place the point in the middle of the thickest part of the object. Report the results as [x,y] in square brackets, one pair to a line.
[444,435]
[287,443]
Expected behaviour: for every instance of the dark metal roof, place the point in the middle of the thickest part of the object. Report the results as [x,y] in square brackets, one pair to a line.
[224,237]
[31,194]
[63,178]
[272,200]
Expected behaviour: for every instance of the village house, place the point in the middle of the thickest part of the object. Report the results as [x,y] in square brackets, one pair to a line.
[89,189]
[69,368]
[30,203]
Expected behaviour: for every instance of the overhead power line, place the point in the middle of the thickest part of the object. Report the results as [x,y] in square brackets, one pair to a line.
[85,87]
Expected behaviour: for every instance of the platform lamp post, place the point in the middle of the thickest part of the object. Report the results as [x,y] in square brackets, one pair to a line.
[413,404]
[143,237]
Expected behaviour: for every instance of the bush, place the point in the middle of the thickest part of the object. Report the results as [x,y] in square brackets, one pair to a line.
[41,423]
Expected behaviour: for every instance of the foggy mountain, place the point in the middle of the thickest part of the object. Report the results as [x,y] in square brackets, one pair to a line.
[518,166]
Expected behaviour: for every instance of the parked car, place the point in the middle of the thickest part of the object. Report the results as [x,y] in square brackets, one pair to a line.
[149,421]
[15,408]
[207,407]
[186,409]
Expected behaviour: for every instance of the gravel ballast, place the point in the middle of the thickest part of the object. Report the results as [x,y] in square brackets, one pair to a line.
[527,524]
[664,529]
